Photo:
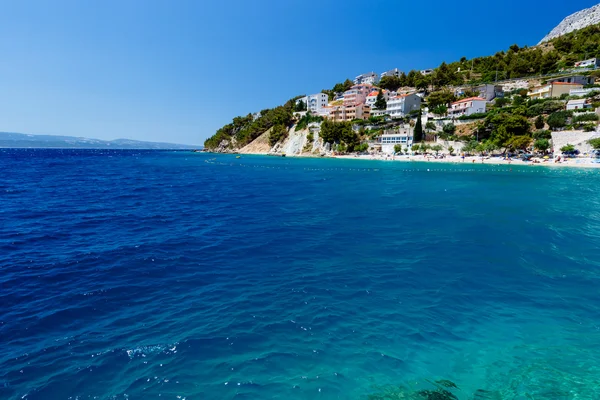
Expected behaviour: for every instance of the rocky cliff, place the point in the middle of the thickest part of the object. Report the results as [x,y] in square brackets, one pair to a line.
[579,20]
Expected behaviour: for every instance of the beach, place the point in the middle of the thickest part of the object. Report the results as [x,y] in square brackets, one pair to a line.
[573,162]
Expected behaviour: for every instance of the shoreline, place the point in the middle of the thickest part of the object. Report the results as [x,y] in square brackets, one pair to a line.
[471,160]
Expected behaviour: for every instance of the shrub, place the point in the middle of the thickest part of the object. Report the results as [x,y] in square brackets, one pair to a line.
[542,134]
[585,117]
[472,116]
[558,119]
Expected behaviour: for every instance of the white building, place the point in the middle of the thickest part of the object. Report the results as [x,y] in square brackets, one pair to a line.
[469,106]
[372,98]
[582,92]
[577,104]
[402,136]
[591,63]
[368,78]
[426,71]
[392,72]
[315,102]
[402,105]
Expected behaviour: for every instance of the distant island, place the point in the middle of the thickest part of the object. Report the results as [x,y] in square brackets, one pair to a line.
[21,140]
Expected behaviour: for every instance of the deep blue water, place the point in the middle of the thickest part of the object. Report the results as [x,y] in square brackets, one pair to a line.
[171,275]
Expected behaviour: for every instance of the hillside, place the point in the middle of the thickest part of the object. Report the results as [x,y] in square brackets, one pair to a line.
[578,20]
[20,140]
[557,55]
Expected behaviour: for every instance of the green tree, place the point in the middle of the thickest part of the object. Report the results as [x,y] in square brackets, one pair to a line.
[542,145]
[300,106]
[519,142]
[390,83]
[539,122]
[501,137]
[418,133]
[437,148]
[569,148]
[501,101]
[380,103]
[451,150]
[398,149]
[430,126]
[440,98]
[558,119]
[440,110]
[449,129]
[278,133]
[595,143]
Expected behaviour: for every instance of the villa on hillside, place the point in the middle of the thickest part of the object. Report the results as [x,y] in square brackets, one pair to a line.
[591,63]
[554,89]
[392,72]
[372,97]
[582,92]
[469,106]
[580,79]
[578,104]
[400,105]
[357,94]
[370,78]
[315,102]
[345,113]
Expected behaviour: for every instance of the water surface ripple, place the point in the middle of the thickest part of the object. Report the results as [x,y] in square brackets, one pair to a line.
[172,275]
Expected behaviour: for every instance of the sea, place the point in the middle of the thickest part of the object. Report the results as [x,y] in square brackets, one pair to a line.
[178,275]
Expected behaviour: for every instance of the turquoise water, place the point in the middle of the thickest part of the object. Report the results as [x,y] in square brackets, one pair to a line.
[147,275]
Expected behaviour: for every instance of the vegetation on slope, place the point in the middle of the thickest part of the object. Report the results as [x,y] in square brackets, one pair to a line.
[503,123]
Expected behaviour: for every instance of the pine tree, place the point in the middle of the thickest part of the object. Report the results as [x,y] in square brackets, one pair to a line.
[418,134]
[380,103]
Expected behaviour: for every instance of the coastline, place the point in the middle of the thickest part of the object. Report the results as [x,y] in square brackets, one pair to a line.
[571,163]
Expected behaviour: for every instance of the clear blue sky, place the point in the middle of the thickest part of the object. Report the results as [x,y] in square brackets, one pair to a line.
[178,70]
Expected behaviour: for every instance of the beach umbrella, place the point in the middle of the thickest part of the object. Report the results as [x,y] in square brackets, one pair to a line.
[546,157]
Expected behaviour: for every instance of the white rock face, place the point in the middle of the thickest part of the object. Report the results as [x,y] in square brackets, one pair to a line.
[573,22]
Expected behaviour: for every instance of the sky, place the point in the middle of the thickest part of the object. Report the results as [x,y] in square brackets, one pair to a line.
[175,71]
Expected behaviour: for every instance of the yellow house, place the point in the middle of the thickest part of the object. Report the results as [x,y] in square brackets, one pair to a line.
[554,89]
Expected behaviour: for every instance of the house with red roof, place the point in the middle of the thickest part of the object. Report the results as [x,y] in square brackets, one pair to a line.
[468,106]
[372,97]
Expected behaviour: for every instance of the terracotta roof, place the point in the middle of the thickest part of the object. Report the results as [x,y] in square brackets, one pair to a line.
[565,83]
[469,99]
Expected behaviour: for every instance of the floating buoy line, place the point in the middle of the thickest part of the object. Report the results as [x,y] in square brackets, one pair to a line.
[516,169]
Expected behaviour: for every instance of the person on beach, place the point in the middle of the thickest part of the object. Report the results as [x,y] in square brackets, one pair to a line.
[463,157]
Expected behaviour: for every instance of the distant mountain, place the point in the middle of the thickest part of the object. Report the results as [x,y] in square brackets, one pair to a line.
[579,20]
[20,140]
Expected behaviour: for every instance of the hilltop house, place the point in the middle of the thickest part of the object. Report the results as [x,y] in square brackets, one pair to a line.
[469,106]
[426,71]
[369,78]
[554,89]
[392,72]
